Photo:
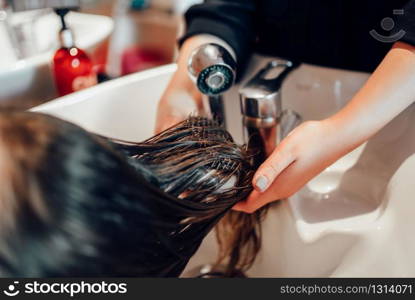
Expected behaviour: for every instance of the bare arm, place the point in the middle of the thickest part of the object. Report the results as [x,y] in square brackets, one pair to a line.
[388,92]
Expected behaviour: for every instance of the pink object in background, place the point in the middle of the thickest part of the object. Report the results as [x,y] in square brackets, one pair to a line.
[136,59]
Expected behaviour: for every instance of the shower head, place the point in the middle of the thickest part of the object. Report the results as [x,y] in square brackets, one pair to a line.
[212,67]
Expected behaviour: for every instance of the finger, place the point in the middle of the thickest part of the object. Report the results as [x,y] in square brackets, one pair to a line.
[254,202]
[158,129]
[167,122]
[279,160]
[161,127]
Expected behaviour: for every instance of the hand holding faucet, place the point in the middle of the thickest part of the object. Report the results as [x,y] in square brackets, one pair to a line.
[182,97]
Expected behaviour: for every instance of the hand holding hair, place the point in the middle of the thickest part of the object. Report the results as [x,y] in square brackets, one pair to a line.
[315,145]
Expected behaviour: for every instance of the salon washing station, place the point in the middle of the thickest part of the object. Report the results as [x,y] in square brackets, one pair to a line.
[355,219]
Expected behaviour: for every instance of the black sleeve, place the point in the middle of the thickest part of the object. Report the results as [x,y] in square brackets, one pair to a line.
[230,20]
[407,22]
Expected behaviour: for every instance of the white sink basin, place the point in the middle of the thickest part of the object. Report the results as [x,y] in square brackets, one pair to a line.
[123,108]
[354,219]
[30,80]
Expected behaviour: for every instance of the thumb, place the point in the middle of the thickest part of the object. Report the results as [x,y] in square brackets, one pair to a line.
[254,202]
[279,160]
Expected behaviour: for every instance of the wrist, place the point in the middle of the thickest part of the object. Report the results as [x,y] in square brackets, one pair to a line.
[346,131]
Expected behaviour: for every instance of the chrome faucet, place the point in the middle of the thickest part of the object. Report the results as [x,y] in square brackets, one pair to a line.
[212,68]
[19,37]
[264,121]
[22,5]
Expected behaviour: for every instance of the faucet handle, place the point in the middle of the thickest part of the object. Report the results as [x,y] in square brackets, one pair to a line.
[272,84]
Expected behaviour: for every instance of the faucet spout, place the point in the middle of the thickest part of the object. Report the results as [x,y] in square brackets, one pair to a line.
[261,107]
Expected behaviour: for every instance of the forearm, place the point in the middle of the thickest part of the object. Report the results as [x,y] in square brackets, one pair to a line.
[389,90]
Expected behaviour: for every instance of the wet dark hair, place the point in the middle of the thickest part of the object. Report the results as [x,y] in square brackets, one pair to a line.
[195,159]
[72,204]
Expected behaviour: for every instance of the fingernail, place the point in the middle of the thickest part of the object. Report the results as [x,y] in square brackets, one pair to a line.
[261,183]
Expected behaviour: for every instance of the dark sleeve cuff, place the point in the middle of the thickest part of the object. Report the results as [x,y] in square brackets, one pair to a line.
[220,30]
[407,22]
[230,20]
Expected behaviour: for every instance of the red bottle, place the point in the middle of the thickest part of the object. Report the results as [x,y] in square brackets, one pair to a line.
[72,67]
